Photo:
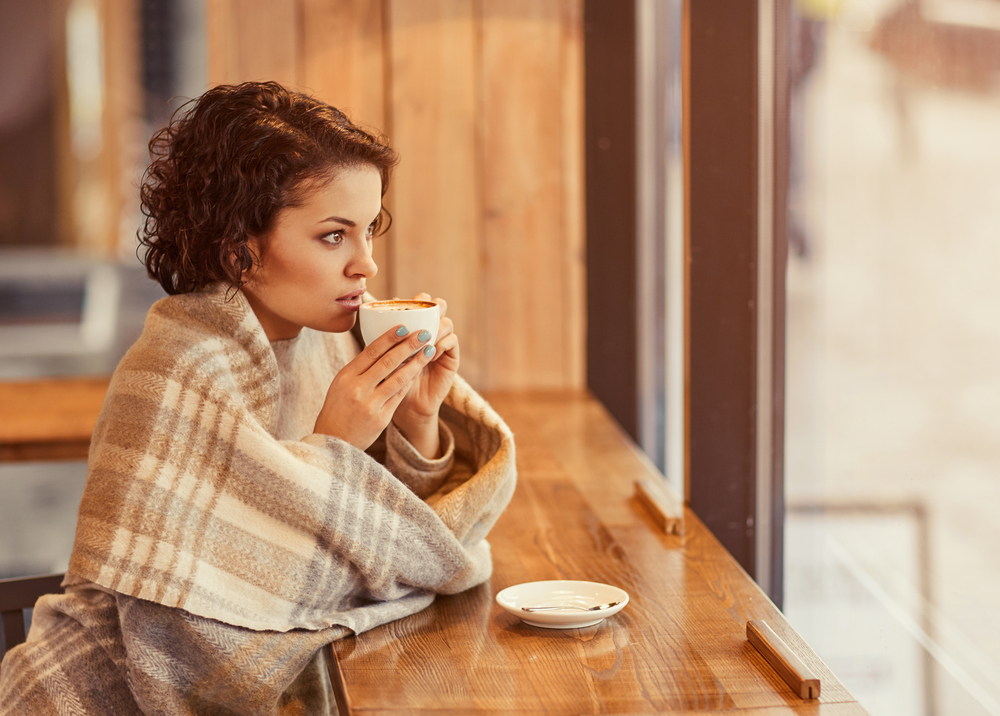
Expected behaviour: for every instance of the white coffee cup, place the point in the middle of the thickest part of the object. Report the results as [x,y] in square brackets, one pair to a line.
[377,317]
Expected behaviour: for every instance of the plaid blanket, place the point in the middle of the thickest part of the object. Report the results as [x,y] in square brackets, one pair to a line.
[220,543]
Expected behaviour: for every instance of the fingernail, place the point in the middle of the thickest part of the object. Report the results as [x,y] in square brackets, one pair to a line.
[429,351]
[423,336]
[402,331]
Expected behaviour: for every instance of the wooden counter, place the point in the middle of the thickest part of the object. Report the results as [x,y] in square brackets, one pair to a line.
[49,419]
[679,646]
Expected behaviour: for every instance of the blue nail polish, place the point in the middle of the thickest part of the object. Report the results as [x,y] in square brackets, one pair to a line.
[429,351]
[402,331]
[423,336]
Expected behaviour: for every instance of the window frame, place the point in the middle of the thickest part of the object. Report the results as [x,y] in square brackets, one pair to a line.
[735,168]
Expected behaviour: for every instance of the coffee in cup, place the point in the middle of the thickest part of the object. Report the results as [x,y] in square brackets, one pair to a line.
[377,317]
[400,305]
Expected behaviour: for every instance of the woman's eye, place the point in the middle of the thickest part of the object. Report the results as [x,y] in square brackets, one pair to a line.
[371,230]
[334,237]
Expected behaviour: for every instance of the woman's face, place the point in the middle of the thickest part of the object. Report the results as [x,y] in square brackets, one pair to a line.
[315,261]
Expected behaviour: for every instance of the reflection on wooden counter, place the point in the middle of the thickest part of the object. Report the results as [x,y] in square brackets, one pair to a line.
[678,646]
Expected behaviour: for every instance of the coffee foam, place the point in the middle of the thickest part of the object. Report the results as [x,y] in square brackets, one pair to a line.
[399,305]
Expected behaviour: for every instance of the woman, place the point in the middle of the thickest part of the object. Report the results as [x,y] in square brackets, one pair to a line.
[258,487]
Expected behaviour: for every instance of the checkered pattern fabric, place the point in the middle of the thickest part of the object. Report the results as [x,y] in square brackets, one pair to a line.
[211,510]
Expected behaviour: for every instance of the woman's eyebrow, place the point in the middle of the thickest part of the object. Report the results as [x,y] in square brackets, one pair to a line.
[346,222]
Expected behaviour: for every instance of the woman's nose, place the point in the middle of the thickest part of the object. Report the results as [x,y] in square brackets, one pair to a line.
[363,264]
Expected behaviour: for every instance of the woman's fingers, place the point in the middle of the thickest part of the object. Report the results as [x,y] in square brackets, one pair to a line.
[447,343]
[447,352]
[361,400]
[377,349]
[445,328]
[392,359]
[395,386]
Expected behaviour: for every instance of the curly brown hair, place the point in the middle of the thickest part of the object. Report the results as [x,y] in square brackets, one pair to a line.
[224,167]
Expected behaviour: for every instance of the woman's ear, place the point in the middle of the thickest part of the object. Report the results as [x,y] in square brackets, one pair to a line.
[246,257]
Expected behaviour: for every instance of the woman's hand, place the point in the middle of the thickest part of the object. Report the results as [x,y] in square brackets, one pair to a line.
[365,393]
[417,415]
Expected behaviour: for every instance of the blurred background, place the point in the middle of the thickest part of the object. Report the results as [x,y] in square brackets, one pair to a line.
[893,314]
[83,83]
[893,340]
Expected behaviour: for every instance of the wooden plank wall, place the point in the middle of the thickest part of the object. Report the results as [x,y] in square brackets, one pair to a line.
[484,101]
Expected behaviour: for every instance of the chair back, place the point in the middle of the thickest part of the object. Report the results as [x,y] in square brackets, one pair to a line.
[17,595]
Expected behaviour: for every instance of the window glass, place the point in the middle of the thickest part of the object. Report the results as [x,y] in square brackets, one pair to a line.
[893,348]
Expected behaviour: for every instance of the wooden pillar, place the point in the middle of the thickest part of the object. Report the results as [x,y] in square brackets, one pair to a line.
[98,171]
[124,149]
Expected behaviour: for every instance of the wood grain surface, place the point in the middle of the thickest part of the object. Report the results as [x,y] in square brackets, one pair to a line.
[252,40]
[483,99]
[529,259]
[679,646]
[123,145]
[662,502]
[784,661]
[49,419]
[342,60]
[435,195]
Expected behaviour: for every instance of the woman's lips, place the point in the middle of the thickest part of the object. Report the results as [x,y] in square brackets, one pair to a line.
[352,301]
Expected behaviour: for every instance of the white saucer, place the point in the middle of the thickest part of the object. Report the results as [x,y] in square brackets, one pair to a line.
[583,594]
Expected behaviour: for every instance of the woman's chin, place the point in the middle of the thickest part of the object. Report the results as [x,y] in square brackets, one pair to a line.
[339,324]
